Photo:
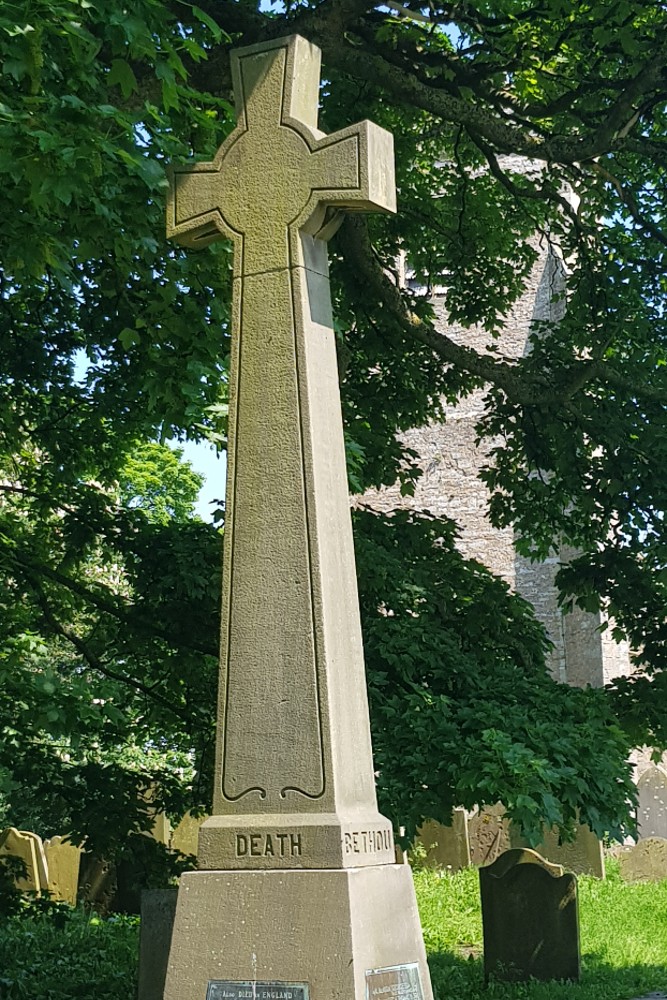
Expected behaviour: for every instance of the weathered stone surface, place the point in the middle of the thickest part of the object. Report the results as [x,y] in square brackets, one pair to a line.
[28,847]
[652,802]
[97,882]
[295,840]
[294,734]
[645,862]
[530,919]
[488,833]
[446,846]
[63,862]
[326,929]
[294,794]
[583,855]
[451,458]
[158,909]
[185,836]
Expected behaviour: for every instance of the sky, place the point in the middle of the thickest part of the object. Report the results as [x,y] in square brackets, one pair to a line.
[202,457]
[213,466]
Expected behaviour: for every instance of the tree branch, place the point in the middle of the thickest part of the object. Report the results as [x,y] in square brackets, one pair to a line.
[357,250]
[91,658]
[115,609]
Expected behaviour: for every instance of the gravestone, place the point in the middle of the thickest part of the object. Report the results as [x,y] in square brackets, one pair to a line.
[488,834]
[446,846]
[530,919]
[645,862]
[63,862]
[652,803]
[185,836]
[158,908]
[28,847]
[98,882]
[583,855]
[157,822]
[297,866]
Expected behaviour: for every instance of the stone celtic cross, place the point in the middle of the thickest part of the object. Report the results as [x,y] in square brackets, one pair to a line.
[294,781]
[296,893]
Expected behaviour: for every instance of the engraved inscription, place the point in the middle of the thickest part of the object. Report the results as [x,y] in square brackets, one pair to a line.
[367,841]
[226,989]
[397,982]
[268,845]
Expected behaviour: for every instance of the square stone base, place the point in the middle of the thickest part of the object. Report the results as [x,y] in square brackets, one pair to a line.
[323,928]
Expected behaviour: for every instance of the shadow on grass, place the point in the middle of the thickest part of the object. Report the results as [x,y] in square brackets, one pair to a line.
[457,978]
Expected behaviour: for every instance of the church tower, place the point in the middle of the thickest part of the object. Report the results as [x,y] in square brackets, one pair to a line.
[582,653]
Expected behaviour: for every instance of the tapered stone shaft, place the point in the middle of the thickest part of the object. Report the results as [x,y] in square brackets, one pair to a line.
[294,759]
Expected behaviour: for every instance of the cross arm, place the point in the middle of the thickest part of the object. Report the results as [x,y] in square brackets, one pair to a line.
[354,170]
[193,218]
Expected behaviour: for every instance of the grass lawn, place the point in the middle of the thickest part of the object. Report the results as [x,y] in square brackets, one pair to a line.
[623,941]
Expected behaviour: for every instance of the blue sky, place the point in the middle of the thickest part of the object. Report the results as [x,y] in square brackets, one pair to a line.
[202,456]
[213,466]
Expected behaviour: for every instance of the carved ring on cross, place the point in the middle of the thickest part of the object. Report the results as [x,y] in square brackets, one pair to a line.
[277,176]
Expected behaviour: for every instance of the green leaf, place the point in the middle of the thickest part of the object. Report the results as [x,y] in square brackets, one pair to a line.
[122,75]
[212,25]
[129,337]
[170,97]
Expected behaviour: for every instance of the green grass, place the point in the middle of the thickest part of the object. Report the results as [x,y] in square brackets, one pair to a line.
[72,958]
[623,940]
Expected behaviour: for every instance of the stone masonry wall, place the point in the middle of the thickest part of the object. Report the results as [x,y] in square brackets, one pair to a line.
[450,461]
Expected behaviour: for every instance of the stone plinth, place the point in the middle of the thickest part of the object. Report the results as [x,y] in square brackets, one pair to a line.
[158,908]
[295,840]
[324,929]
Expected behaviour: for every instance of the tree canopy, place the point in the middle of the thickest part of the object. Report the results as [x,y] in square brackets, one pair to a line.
[111,339]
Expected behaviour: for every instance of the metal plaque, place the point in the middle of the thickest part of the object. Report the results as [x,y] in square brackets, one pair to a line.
[397,982]
[225,989]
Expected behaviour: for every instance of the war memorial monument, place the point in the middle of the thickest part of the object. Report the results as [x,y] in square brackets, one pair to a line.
[297,896]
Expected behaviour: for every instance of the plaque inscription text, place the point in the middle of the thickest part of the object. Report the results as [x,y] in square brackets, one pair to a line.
[225,989]
[397,982]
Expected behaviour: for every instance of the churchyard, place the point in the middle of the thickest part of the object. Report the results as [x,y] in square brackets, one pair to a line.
[623,947]
[294,888]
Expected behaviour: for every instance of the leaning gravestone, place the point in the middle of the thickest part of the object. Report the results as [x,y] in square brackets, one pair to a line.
[63,861]
[652,803]
[645,862]
[530,919]
[28,847]
[488,833]
[98,882]
[297,877]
